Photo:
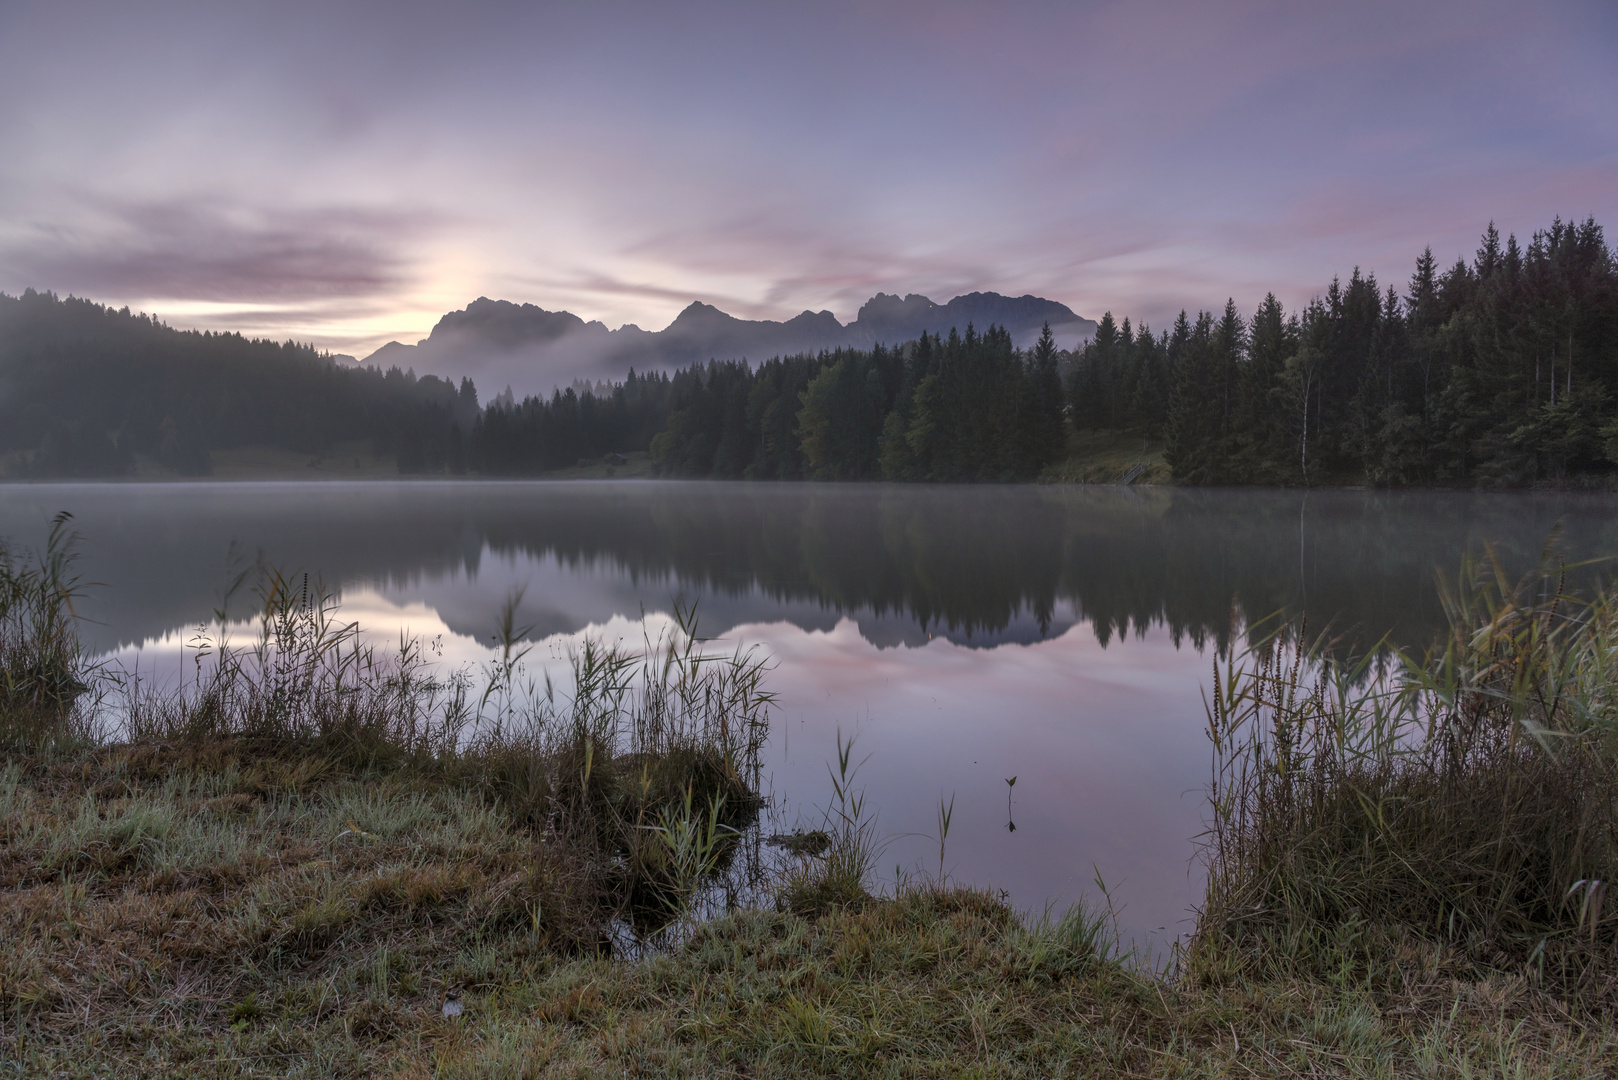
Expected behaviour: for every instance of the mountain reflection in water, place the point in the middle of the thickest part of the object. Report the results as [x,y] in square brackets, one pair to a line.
[980,566]
[968,634]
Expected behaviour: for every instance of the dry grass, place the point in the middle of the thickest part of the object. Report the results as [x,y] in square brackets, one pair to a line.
[293,863]
[271,939]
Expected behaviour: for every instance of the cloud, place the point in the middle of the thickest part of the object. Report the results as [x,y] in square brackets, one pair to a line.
[208,250]
[620,161]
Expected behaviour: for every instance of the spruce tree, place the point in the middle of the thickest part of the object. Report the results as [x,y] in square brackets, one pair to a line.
[1045,427]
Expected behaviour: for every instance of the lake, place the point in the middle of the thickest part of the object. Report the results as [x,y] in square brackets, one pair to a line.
[962,635]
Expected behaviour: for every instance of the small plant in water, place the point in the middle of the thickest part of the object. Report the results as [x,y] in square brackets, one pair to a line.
[945,814]
[834,873]
[691,845]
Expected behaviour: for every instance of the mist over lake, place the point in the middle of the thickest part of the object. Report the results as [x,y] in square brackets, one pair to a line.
[962,635]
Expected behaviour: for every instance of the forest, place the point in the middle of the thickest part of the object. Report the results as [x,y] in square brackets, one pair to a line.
[1500,371]
[963,408]
[1497,372]
[85,390]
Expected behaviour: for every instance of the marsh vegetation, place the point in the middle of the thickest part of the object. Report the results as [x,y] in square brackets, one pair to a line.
[1400,816]
[295,862]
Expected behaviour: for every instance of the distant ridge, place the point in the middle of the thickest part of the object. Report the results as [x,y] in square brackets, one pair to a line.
[498,343]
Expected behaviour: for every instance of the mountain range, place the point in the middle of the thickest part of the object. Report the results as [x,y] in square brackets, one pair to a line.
[532,350]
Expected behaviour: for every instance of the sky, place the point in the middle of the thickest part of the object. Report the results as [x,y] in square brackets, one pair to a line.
[344,173]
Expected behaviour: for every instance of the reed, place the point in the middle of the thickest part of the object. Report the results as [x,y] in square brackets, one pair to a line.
[1435,816]
[634,780]
[833,866]
[308,684]
[44,672]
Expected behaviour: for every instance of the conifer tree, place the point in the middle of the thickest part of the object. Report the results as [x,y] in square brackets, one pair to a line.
[1044,427]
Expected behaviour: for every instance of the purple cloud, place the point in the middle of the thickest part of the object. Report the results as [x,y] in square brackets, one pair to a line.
[204,250]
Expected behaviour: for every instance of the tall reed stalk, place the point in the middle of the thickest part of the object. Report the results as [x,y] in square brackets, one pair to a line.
[308,682]
[633,779]
[1458,806]
[44,672]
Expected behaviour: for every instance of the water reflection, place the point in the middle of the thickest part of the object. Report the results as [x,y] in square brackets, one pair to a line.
[980,566]
[965,635]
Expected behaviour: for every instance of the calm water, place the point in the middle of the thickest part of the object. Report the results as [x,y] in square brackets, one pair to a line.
[962,635]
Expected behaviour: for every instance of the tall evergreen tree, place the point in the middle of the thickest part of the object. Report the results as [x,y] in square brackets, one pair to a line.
[1044,429]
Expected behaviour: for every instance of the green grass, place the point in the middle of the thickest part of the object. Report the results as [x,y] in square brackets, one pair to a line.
[638,464]
[1108,457]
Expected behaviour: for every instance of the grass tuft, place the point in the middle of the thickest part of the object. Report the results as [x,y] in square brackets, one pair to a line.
[44,673]
[1451,815]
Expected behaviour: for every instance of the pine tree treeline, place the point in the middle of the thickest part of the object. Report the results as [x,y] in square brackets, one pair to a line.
[1501,371]
[962,408]
[537,435]
[1498,372]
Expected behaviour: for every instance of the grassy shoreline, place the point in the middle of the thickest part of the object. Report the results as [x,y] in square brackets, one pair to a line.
[306,860]
[200,918]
